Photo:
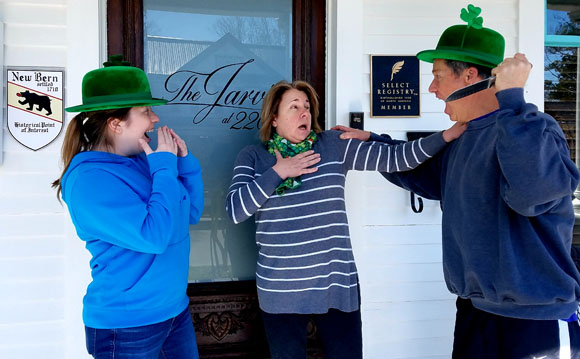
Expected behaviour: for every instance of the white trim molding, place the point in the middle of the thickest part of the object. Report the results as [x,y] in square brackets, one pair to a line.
[531,43]
[3,110]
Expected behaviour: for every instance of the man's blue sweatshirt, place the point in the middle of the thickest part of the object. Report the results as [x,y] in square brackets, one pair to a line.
[134,215]
[506,187]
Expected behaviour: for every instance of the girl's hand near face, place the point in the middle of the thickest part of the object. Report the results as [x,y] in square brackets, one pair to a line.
[297,165]
[165,142]
[181,146]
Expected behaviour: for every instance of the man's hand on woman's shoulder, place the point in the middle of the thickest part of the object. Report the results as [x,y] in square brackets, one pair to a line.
[349,133]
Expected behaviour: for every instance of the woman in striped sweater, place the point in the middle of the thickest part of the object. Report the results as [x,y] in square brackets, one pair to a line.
[293,185]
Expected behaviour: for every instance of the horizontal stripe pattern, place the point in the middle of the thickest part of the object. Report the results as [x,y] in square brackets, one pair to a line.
[305,262]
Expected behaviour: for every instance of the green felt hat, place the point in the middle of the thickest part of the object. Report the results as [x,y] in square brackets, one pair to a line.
[469,43]
[116,85]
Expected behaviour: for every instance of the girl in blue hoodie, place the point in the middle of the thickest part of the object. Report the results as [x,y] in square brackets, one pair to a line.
[132,205]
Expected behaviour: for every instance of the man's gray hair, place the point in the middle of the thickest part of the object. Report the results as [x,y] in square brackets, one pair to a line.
[458,66]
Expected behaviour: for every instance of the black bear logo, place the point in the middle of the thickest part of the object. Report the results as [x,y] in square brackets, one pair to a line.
[31,98]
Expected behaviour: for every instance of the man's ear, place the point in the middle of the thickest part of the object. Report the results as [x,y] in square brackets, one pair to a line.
[114,124]
[471,75]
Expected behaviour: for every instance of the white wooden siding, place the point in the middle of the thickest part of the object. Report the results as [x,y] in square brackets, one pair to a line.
[32,222]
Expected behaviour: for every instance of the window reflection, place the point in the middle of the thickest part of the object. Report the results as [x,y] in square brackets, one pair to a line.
[561,100]
[563,17]
[562,69]
[561,91]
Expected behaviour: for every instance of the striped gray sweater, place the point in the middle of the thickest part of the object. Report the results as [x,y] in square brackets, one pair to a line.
[305,260]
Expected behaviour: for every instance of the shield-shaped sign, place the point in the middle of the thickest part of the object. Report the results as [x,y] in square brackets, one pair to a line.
[34,106]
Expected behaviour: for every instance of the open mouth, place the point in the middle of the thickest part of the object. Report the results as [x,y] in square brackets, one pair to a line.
[303,127]
[147,136]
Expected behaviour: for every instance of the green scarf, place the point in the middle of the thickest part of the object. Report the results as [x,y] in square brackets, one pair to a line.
[288,149]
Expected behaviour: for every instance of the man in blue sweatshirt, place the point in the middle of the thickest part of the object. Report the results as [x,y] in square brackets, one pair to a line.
[506,188]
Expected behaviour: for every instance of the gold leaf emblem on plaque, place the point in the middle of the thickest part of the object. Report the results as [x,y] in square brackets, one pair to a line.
[396,68]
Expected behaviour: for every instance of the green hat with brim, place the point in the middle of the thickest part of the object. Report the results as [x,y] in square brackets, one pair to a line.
[117,85]
[469,43]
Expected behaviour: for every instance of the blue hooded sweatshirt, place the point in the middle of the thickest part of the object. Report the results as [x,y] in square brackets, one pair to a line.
[506,187]
[134,215]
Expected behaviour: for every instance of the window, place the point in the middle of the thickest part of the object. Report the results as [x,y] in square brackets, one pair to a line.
[215,63]
[562,77]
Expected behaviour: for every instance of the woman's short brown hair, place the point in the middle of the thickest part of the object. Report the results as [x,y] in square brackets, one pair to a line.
[272,101]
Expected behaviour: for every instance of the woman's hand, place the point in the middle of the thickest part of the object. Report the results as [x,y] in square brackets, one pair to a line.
[352,133]
[181,146]
[297,165]
[165,142]
[453,132]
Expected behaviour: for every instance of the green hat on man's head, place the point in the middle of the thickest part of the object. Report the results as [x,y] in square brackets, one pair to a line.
[469,43]
[116,85]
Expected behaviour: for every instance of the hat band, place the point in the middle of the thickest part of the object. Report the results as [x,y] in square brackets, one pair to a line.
[493,58]
[135,96]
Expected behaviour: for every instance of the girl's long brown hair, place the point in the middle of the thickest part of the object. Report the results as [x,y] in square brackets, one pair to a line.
[86,131]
